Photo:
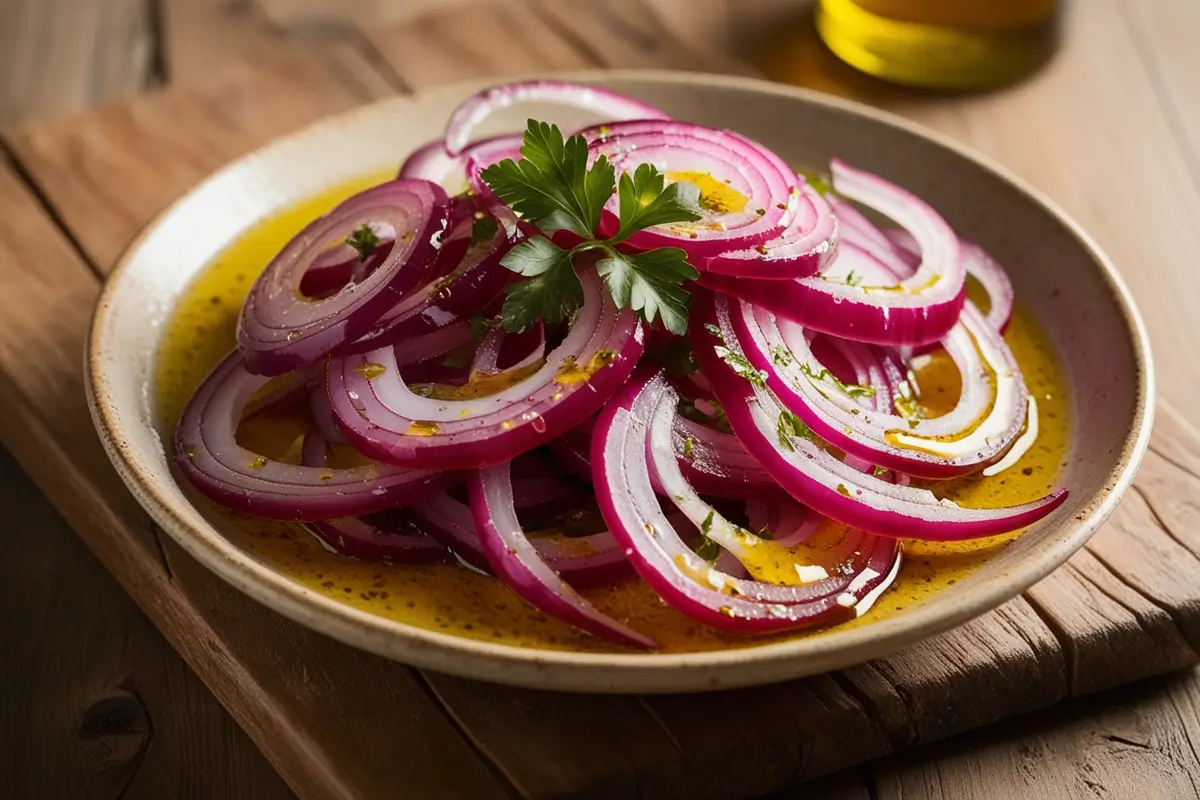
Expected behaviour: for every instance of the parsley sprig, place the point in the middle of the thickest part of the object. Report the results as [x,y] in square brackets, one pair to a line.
[552,188]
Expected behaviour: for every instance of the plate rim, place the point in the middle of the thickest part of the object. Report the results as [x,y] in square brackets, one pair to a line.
[617,672]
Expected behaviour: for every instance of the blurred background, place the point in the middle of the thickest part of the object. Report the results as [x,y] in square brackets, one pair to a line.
[62,55]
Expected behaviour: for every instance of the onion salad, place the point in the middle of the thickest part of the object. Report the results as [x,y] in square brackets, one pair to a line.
[644,350]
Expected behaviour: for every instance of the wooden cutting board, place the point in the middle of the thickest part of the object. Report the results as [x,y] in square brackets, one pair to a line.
[341,723]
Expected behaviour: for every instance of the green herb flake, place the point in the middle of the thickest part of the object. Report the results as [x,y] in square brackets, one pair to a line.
[825,377]
[790,426]
[688,444]
[707,549]
[364,241]
[781,355]
[741,365]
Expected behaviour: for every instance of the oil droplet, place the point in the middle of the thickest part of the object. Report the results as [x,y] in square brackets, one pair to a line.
[420,428]
[715,196]
[535,420]
[506,425]
[326,476]
[294,335]
[189,450]
[379,491]
[371,370]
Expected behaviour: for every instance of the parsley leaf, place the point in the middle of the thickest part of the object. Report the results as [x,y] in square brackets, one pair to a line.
[364,240]
[551,186]
[651,283]
[645,201]
[552,290]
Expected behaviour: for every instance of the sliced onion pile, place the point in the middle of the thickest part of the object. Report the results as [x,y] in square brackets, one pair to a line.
[803,418]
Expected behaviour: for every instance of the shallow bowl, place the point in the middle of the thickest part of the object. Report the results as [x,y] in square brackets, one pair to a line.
[1058,271]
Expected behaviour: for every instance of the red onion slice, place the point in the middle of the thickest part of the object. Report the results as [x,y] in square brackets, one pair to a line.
[431,162]
[515,559]
[808,243]
[280,330]
[812,475]
[983,425]
[917,310]
[478,107]
[979,265]
[673,570]
[467,288]
[384,419]
[208,454]
[747,194]
[360,537]
[595,560]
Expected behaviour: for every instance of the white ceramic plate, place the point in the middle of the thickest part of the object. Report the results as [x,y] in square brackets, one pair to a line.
[1058,272]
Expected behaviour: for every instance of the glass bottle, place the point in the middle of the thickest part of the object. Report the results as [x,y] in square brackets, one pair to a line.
[940,44]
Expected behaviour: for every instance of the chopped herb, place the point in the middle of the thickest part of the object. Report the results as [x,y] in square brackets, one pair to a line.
[765,533]
[552,187]
[688,443]
[790,426]
[741,365]
[908,406]
[708,549]
[480,325]
[879,472]
[364,240]
[714,330]
[851,279]
[819,181]
[826,377]
[483,230]
[706,526]
[781,355]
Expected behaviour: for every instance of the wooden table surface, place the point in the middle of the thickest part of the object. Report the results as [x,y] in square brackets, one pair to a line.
[94,703]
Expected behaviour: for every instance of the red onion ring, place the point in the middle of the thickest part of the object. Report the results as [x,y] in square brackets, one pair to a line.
[808,243]
[515,559]
[979,430]
[384,419]
[624,434]
[478,107]
[769,188]
[917,310]
[468,288]
[358,537]
[979,265]
[208,454]
[595,560]
[812,475]
[279,330]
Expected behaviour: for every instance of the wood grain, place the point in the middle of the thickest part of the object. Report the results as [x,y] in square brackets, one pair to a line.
[333,719]
[60,55]
[203,39]
[113,698]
